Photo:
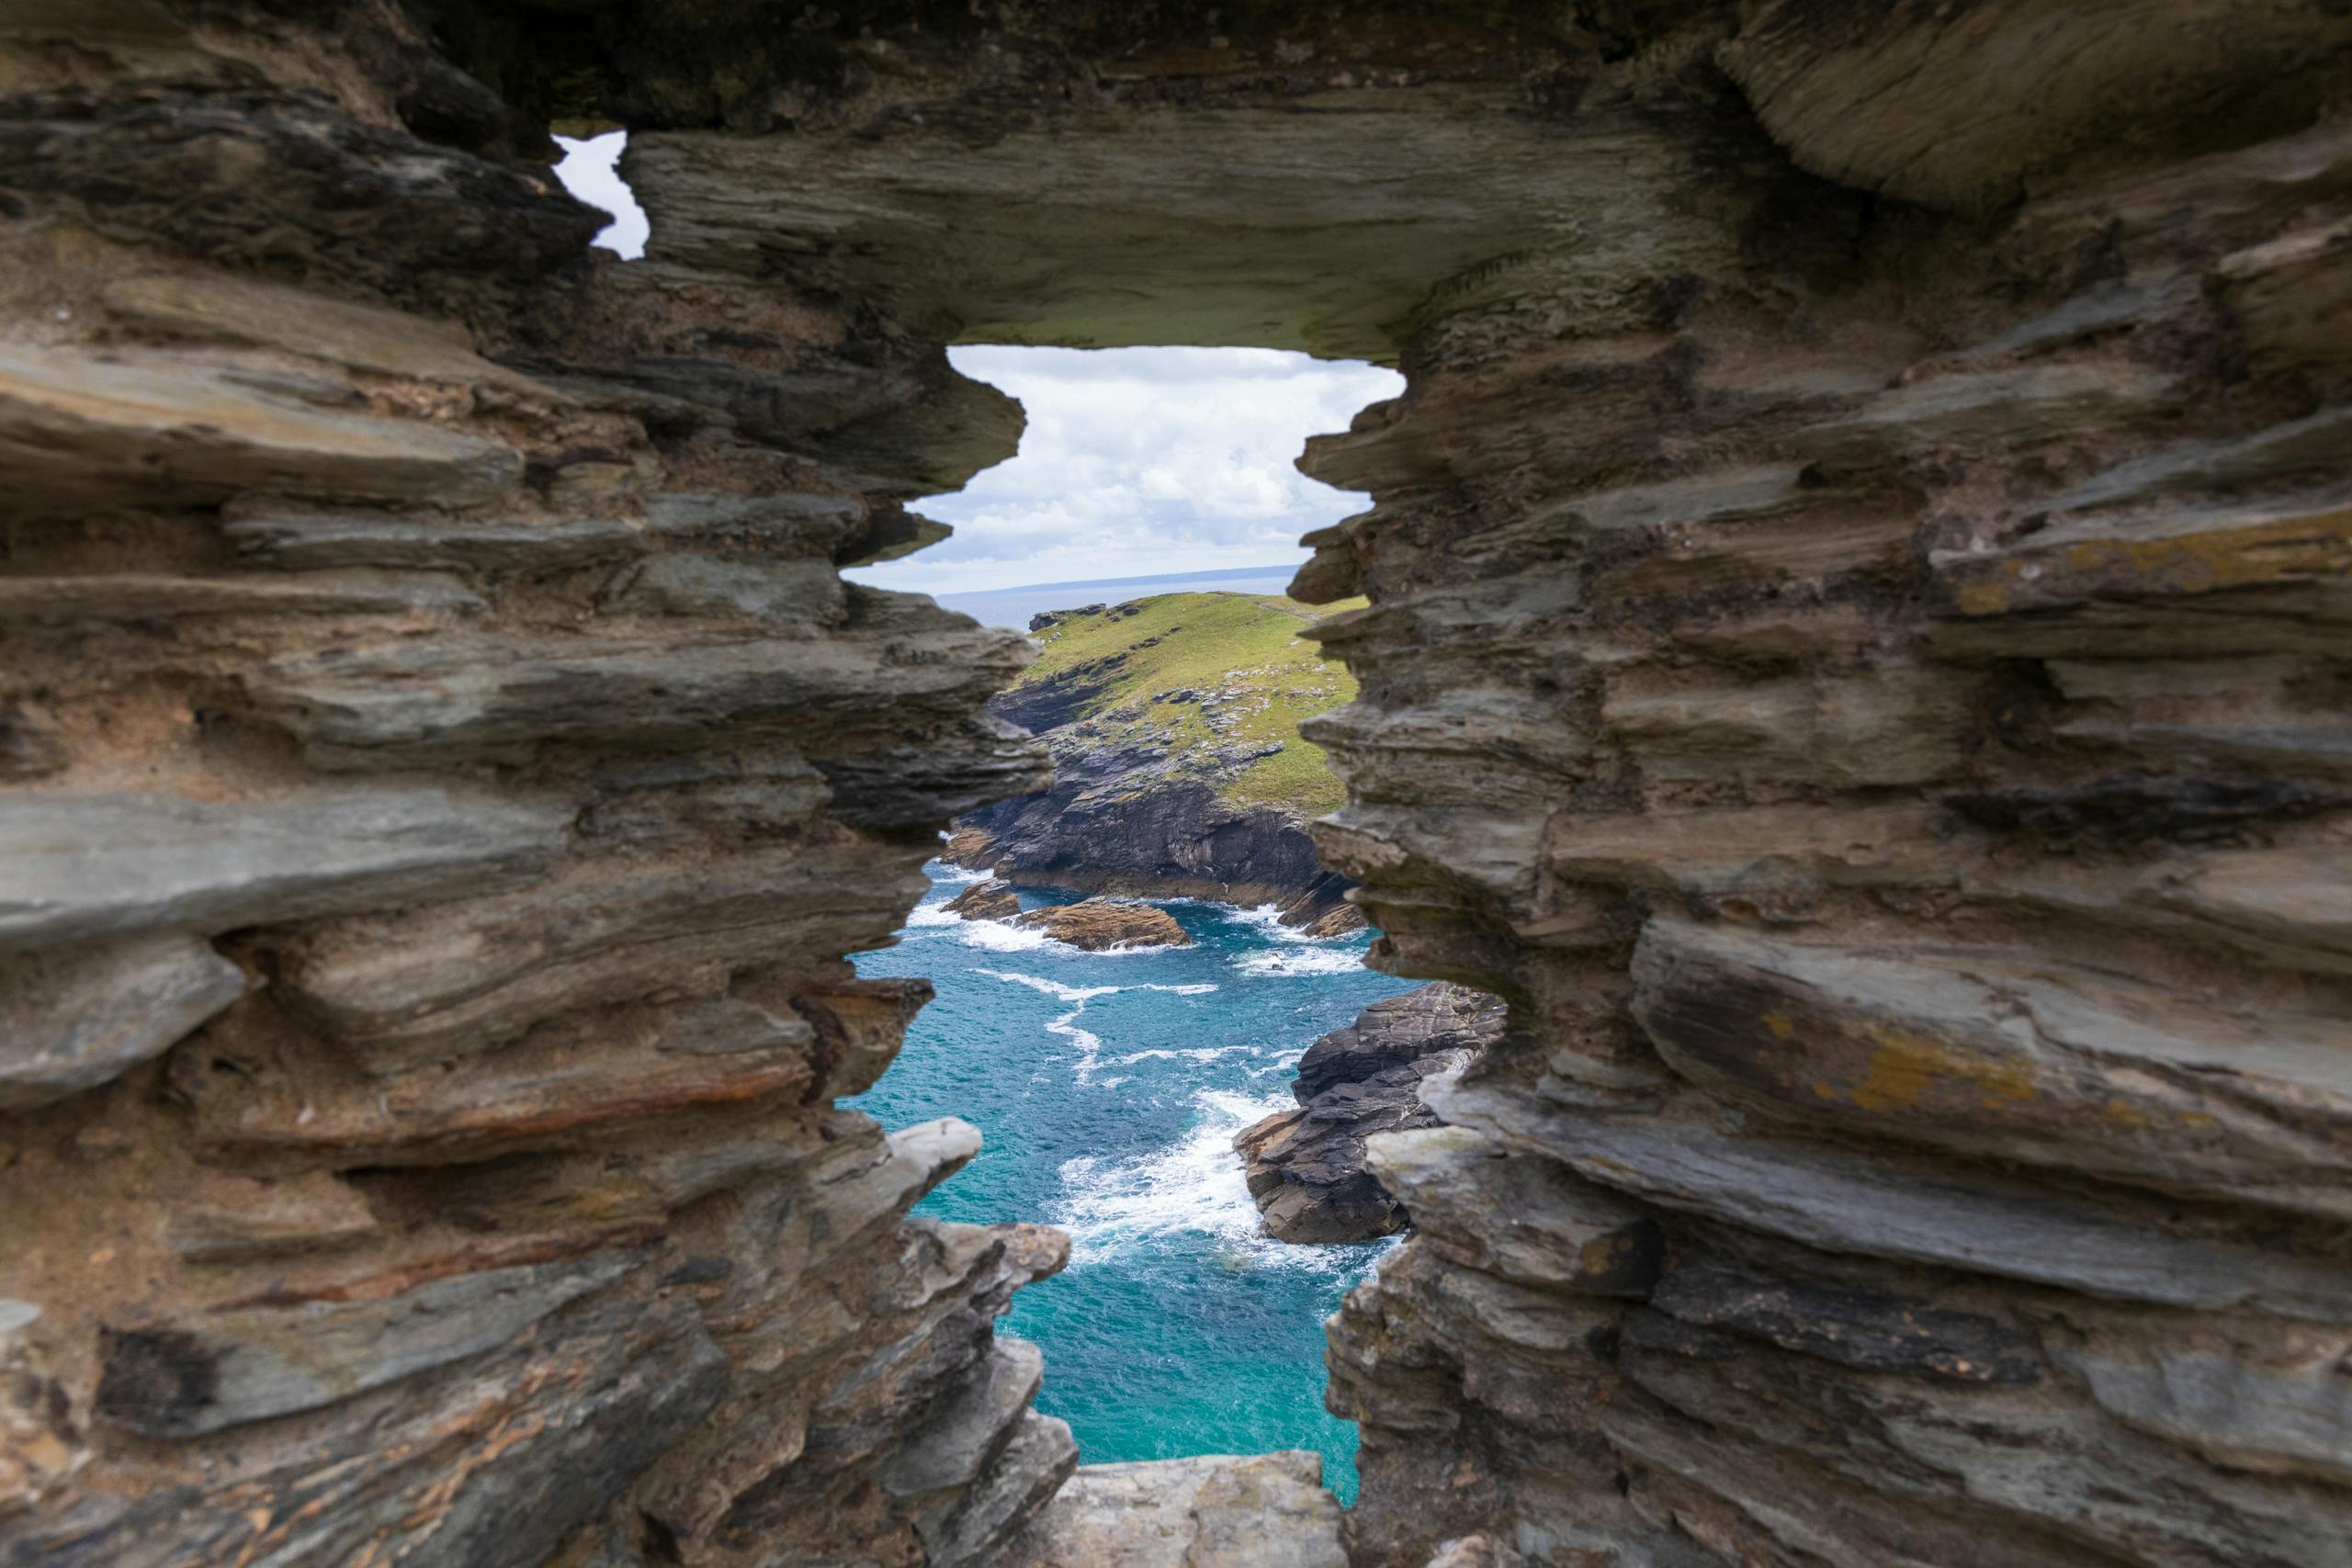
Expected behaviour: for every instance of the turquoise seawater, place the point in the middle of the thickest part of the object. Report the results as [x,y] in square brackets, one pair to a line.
[1108,1088]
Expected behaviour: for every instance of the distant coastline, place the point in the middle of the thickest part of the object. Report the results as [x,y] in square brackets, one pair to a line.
[1014,606]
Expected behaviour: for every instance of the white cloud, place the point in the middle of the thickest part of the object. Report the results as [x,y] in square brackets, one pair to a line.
[591,171]
[1143,460]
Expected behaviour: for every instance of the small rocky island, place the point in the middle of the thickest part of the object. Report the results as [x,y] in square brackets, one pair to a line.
[1306,1167]
[1097,925]
[1178,767]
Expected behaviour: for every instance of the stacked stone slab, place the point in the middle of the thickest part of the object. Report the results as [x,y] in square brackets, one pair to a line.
[438,796]
[1855,657]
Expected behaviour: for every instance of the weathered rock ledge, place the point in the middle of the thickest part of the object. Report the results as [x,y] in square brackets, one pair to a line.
[1216,1511]
[1308,1168]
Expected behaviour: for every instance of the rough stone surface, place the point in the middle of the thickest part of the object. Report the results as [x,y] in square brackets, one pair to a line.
[1306,1168]
[1218,1511]
[1854,656]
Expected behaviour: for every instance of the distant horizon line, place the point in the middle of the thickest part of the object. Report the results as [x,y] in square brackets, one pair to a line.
[1220,573]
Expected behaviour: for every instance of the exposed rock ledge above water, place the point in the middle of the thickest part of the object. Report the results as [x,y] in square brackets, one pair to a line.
[1214,1511]
[1095,924]
[1307,1167]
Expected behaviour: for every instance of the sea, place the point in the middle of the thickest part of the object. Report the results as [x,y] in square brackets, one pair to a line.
[1108,1088]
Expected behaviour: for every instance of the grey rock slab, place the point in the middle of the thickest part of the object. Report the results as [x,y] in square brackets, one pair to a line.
[78,1018]
[2313,445]
[140,596]
[2010,1055]
[785,526]
[552,1427]
[1027,1474]
[971,1426]
[1869,1329]
[2290,1414]
[75,426]
[248,1363]
[465,975]
[485,697]
[1517,1217]
[75,867]
[305,541]
[1972,411]
[1214,1511]
[2013,1453]
[1886,1205]
[803,593]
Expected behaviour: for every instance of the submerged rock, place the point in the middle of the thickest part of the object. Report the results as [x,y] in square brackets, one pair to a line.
[1101,924]
[1306,1167]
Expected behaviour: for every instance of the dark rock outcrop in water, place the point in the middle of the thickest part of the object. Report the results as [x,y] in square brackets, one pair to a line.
[1308,1168]
[1858,588]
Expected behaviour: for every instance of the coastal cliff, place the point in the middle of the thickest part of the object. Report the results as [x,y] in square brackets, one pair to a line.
[1172,723]
[1853,654]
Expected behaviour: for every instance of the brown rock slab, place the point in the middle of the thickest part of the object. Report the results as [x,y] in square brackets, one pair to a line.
[1100,925]
[96,428]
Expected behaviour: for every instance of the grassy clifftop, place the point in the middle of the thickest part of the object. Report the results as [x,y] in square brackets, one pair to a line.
[1205,676]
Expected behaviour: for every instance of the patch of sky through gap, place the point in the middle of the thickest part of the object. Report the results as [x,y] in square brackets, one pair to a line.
[591,171]
[1143,461]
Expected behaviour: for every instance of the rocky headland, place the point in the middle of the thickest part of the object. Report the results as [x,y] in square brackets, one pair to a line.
[1855,598]
[1178,771]
[1308,1168]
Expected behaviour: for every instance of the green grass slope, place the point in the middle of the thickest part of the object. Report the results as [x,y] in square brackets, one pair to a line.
[1186,674]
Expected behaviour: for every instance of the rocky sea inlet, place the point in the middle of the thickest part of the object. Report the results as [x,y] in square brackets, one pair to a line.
[1109,1086]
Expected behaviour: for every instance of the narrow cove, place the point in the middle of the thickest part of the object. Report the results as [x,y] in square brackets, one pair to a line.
[1109,1086]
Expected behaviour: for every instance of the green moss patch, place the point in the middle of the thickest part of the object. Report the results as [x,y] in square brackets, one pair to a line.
[1208,675]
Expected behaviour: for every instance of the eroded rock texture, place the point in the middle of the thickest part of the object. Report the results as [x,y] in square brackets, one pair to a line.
[1855,657]
[441,790]
[1308,1169]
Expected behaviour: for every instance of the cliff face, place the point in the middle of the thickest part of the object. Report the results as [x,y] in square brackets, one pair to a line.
[1855,656]
[1172,723]
[439,793]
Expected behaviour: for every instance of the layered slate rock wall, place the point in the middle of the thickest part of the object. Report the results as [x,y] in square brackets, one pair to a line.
[439,792]
[1856,658]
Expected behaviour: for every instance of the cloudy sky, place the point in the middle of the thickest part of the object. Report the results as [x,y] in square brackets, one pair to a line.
[1135,460]
[1143,460]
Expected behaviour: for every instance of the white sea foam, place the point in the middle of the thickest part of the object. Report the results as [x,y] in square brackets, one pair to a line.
[1194,1186]
[1300,962]
[1052,988]
[1189,1053]
[1267,921]
[940,870]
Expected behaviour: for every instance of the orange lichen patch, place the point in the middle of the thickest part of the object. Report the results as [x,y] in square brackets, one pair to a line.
[2249,553]
[1780,1027]
[1905,1069]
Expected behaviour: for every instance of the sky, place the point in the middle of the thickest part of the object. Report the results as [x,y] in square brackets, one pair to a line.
[1135,461]
[590,171]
